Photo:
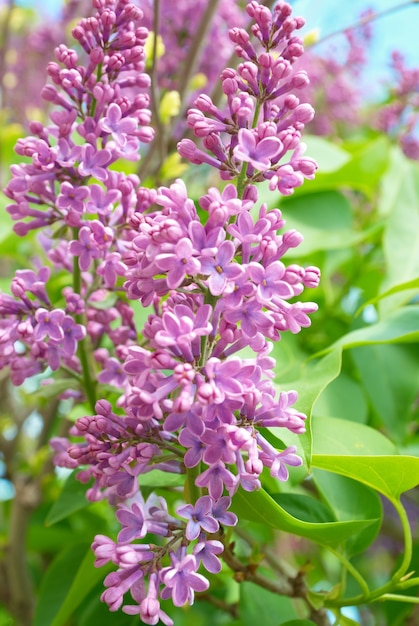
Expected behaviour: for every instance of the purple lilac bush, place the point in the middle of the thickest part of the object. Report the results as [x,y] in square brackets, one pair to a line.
[195,387]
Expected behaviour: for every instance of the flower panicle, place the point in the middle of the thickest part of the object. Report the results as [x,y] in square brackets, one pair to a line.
[189,402]
[259,136]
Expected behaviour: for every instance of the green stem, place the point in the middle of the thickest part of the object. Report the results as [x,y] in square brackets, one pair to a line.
[410,582]
[407,535]
[88,382]
[191,491]
[353,571]
[395,597]
[241,181]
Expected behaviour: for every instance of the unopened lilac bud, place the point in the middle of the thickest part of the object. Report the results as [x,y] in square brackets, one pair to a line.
[251,193]
[66,56]
[116,61]
[130,12]
[126,40]
[141,34]
[53,70]
[306,166]
[311,276]
[291,101]
[300,80]
[230,86]
[143,81]
[294,50]
[25,330]
[96,55]
[292,239]
[108,18]
[103,407]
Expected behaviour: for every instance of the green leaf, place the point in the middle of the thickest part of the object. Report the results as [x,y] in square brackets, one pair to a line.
[315,377]
[341,437]
[97,612]
[86,577]
[343,398]
[326,220]
[72,498]
[390,377]
[401,326]
[363,172]
[299,622]
[328,156]
[260,507]
[6,223]
[66,583]
[401,239]
[351,500]
[48,540]
[389,475]
[304,507]
[408,285]
[157,478]
[259,606]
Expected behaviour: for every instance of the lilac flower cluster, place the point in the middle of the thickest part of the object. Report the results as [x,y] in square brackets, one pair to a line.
[336,86]
[265,118]
[400,116]
[25,46]
[191,401]
[103,107]
[195,395]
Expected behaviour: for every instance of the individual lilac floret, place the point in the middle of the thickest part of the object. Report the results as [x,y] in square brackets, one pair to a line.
[198,516]
[132,521]
[258,153]
[182,580]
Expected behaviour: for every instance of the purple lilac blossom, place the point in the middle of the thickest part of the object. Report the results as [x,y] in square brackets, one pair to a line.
[260,135]
[187,396]
[55,190]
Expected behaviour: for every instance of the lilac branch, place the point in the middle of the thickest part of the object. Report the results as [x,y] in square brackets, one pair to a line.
[363,21]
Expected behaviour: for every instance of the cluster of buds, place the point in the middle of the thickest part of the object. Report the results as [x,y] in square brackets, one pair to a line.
[259,137]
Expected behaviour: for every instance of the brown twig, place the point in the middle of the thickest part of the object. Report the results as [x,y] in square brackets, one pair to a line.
[366,19]
[290,586]
[4,38]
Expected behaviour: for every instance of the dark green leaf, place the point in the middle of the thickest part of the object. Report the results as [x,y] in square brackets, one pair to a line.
[401,239]
[66,584]
[324,218]
[259,507]
[71,499]
[157,478]
[328,156]
[362,172]
[314,378]
[390,376]
[259,606]
[57,582]
[351,500]
[299,622]
[401,326]
[304,507]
